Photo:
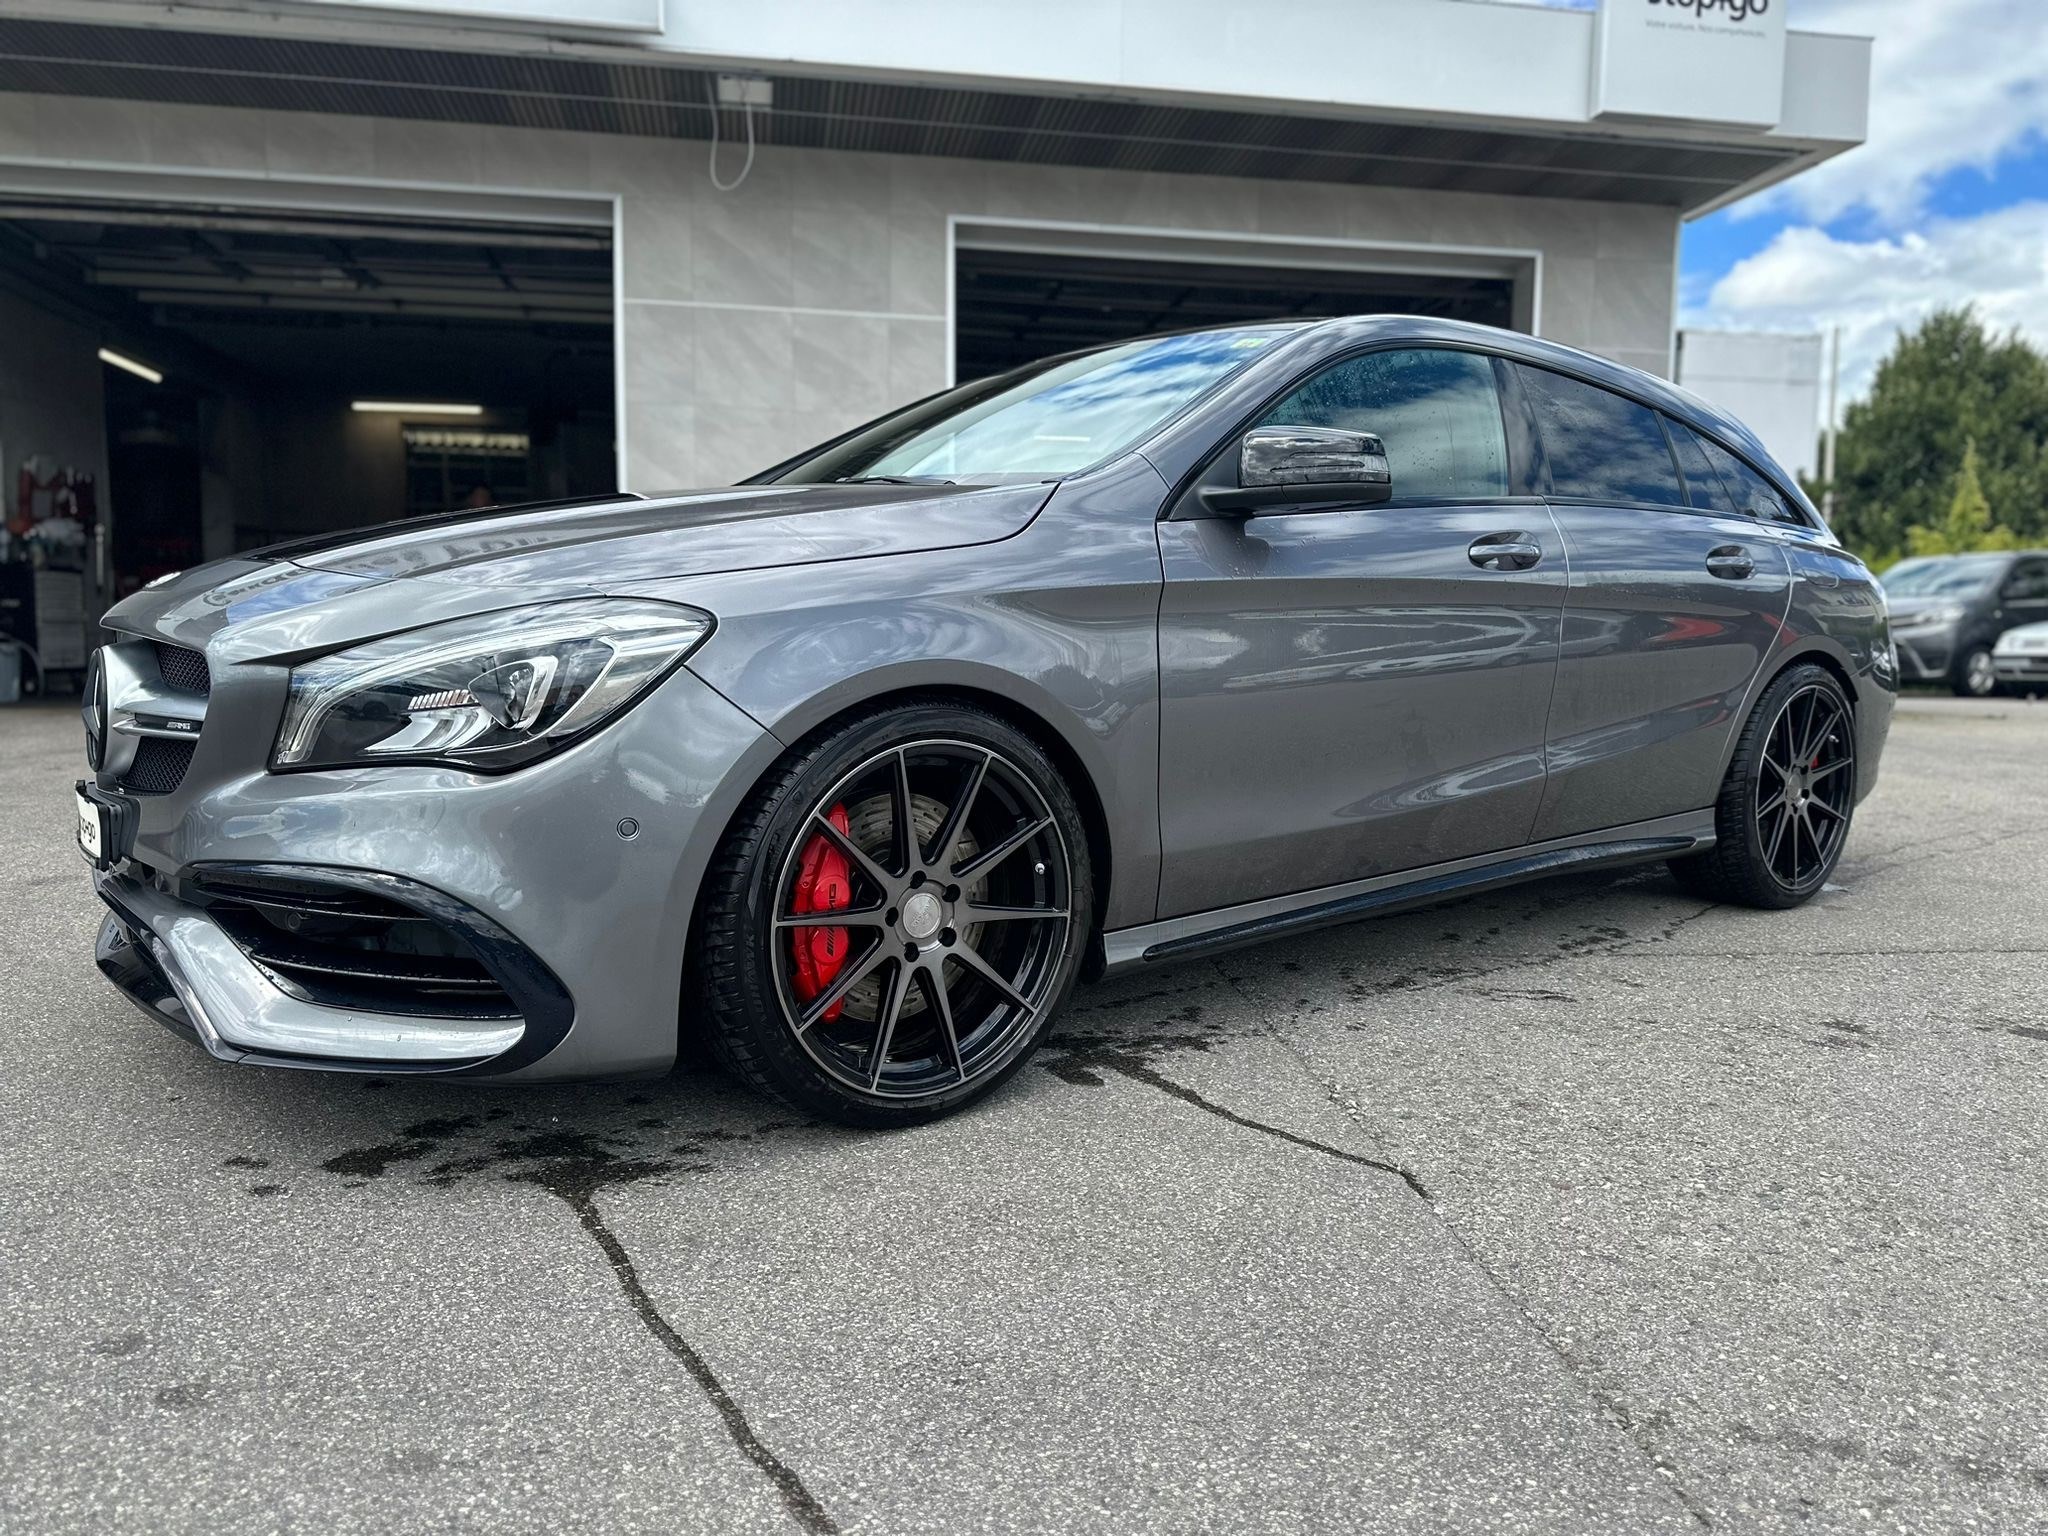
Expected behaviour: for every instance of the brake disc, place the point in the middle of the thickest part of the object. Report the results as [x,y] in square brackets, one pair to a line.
[868,824]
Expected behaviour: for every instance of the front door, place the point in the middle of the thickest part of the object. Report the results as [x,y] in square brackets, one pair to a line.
[1350,692]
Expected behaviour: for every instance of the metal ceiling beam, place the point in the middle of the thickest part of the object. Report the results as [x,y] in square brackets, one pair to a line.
[143,216]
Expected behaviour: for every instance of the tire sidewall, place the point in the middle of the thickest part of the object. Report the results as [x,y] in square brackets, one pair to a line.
[795,1074]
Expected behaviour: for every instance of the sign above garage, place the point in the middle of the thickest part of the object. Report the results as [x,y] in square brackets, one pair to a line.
[1702,61]
[603,15]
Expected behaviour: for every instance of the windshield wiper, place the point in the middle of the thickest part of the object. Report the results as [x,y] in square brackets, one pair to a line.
[894,480]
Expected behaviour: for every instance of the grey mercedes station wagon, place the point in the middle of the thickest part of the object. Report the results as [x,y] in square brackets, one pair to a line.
[1122,657]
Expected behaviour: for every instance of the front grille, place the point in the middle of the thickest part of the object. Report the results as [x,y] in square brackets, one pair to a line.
[183,670]
[159,766]
[353,949]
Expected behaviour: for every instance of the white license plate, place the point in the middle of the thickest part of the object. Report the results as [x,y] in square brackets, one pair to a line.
[92,830]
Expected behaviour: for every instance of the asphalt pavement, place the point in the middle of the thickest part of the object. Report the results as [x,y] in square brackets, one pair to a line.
[1586,1206]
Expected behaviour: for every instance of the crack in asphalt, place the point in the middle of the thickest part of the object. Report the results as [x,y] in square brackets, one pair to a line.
[573,1166]
[796,1498]
[1139,1072]
[1607,1405]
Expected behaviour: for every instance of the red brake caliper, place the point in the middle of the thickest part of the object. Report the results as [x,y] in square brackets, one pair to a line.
[824,883]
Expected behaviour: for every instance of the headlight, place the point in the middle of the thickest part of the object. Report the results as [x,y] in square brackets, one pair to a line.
[487,693]
[1939,617]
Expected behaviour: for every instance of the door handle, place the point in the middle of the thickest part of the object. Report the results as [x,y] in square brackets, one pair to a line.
[1515,551]
[1730,562]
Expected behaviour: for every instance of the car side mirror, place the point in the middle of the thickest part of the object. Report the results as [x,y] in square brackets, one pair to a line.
[1303,466]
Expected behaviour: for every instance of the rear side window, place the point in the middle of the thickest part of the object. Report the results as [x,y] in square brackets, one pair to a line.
[1702,483]
[1601,447]
[1436,411]
[2028,584]
[1753,494]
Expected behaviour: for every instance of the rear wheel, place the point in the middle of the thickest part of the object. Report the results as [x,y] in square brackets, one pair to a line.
[896,918]
[1785,806]
[1974,676]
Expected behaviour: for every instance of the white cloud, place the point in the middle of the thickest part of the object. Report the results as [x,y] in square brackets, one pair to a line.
[1807,279]
[1954,83]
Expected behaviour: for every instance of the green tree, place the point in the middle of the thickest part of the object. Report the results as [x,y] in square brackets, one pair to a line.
[1968,526]
[1902,447]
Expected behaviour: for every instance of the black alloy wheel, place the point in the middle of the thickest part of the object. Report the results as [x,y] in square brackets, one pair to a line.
[1806,789]
[1788,799]
[912,901]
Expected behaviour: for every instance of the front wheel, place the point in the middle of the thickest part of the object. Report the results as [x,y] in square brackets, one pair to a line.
[1974,675]
[896,917]
[1785,805]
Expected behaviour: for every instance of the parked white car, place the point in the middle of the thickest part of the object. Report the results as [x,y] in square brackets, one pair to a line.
[2021,658]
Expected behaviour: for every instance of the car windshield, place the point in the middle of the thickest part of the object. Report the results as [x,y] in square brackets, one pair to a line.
[1051,420]
[1956,576]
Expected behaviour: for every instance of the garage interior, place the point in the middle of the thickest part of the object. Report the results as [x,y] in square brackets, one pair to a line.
[197,381]
[1012,306]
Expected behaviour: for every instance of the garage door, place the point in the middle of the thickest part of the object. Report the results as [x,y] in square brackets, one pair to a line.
[1011,306]
[257,373]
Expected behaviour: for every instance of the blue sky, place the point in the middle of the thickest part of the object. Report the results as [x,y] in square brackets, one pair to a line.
[1711,246]
[1945,203]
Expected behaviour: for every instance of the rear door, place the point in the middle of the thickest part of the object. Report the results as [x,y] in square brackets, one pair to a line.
[1347,692]
[1676,599]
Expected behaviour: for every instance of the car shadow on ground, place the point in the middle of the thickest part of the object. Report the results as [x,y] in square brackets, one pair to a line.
[576,1140]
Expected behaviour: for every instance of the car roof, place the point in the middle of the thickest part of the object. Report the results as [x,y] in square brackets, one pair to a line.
[1647,388]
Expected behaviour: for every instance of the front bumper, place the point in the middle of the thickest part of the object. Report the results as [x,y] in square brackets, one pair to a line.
[587,863]
[2021,667]
[1925,658]
[186,970]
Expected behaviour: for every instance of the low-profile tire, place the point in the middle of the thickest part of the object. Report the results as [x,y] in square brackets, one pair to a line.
[1785,807]
[963,912]
[1973,676]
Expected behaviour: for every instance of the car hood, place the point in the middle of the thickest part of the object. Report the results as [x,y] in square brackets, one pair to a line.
[2027,637]
[1904,610]
[316,594]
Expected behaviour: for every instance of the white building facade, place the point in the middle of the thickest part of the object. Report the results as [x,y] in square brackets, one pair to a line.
[934,189]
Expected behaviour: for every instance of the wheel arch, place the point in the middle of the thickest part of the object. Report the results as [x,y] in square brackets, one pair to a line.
[1816,650]
[803,729]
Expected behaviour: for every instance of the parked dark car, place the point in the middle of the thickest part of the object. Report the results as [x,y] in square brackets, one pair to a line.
[1949,610]
[1124,657]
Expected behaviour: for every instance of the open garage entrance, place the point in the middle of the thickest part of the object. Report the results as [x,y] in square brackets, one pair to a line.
[183,381]
[1023,295]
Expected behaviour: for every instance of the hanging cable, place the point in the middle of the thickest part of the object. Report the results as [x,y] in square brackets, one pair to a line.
[718,112]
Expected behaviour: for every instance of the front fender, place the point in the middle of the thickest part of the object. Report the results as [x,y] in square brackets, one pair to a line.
[1059,624]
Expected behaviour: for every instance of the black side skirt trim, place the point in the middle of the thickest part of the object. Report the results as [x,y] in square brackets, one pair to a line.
[1422,893]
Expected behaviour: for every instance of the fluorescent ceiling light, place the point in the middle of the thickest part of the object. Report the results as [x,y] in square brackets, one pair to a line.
[140,370]
[417,407]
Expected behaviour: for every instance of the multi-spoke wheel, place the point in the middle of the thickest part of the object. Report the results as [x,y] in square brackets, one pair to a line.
[895,920]
[1786,803]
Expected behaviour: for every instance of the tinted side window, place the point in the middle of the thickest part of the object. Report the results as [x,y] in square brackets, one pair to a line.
[1754,495]
[1436,411]
[2028,584]
[1600,446]
[1702,484]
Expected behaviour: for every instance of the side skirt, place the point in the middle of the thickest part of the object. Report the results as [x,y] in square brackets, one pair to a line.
[1206,933]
